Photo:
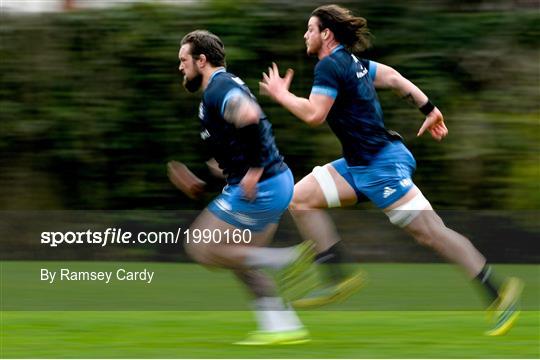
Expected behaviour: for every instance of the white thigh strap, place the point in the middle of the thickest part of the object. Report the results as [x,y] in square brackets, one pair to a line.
[328,186]
[405,213]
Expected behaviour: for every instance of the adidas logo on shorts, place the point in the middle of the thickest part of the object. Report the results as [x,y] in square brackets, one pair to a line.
[388,191]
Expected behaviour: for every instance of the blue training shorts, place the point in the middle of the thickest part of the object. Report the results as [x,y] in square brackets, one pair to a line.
[273,198]
[386,179]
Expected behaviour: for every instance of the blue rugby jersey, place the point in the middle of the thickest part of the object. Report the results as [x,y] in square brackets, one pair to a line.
[356,116]
[222,137]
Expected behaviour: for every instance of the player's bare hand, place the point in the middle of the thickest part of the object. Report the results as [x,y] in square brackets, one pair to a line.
[184,180]
[214,169]
[273,84]
[434,123]
[249,183]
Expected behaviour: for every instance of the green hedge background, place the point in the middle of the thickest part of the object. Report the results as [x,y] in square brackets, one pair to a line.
[92,108]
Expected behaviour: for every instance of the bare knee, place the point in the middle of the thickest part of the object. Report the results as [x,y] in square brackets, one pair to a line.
[427,229]
[307,195]
[415,214]
[301,201]
[425,237]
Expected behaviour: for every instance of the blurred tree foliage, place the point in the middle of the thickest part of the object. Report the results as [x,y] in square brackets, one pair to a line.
[92,107]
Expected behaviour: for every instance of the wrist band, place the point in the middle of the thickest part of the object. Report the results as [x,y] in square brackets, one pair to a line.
[427,108]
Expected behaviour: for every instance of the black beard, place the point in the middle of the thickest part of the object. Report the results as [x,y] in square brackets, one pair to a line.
[194,84]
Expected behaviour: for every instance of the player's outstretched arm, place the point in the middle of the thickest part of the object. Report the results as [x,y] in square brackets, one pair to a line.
[312,111]
[388,78]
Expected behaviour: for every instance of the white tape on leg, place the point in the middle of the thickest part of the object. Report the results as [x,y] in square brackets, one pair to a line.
[405,213]
[328,186]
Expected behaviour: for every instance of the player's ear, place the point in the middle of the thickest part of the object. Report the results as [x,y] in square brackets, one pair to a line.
[325,34]
[202,59]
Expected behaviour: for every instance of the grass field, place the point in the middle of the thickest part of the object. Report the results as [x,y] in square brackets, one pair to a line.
[393,329]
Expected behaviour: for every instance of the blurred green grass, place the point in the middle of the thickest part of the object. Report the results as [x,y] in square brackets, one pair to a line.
[389,324]
[391,286]
[210,334]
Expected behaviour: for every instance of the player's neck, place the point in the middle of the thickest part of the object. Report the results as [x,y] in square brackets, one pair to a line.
[327,49]
[208,73]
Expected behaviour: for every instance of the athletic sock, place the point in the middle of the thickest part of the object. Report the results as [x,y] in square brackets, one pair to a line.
[273,315]
[332,259]
[270,257]
[486,278]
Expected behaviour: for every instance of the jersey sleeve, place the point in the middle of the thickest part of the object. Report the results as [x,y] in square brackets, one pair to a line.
[372,68]
[326,79]
[233,93]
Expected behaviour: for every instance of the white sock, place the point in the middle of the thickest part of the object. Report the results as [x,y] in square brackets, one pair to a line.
[273,315]
[270,257]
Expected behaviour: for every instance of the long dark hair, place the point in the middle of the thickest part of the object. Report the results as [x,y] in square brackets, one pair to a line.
[351,31]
